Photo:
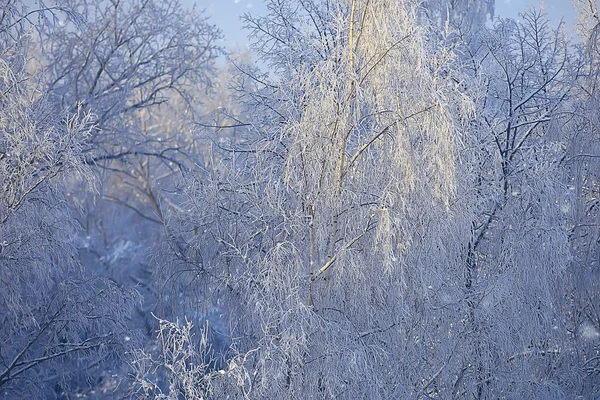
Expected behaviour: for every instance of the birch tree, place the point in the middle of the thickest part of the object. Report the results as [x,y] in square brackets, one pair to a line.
[390,221]
[319,228]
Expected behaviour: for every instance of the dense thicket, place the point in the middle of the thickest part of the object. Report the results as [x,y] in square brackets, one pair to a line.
[397,199]
[58,322]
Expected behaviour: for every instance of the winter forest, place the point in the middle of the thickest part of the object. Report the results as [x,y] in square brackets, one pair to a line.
[380,199]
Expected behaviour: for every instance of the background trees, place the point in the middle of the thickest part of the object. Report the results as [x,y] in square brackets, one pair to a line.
[581,201]
[144,71]
[53,315]
[345,276]
[519,238]
[143,67]
[82,106]
[399,205]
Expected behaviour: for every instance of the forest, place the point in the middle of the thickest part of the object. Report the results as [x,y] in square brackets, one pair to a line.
[379,199]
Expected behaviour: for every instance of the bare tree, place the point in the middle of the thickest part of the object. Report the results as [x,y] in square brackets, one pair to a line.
[516,261]
[123,57]
[318,229]
[52,316]
[142,67]
[582,204]
[391,219]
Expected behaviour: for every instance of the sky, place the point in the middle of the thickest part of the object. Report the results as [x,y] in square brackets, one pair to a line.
[226,13]
[556,9]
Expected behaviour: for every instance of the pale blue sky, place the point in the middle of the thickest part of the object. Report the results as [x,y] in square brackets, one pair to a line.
[225,13]
[556,9]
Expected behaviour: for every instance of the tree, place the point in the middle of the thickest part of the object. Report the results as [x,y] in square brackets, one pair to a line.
[125,57]
[517,257]
[317,228]
[142,67]
[400,206]
[52,315]
[581,202]
[392,212]
[458,15]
